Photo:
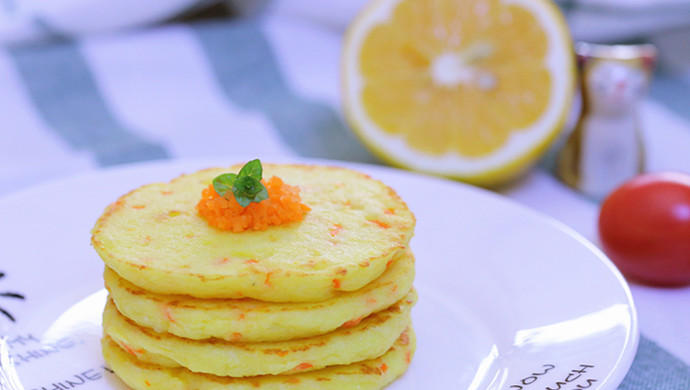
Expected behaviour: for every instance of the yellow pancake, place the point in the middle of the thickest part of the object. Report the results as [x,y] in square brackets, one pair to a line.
[154,238]
[371,374]
[372,337]
[249,320]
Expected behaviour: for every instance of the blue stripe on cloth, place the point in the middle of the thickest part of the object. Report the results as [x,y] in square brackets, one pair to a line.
[654,368]
[247,71]
[66,96]
[672,92]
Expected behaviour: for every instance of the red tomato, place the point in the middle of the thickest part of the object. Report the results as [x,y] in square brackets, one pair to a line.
[644,228]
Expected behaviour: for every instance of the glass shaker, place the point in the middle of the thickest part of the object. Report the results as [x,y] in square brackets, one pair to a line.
[606,147]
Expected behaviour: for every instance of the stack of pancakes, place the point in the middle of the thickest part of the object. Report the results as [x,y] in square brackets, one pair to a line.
[321,303]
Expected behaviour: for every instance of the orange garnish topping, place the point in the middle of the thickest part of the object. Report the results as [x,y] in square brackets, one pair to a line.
[283,205]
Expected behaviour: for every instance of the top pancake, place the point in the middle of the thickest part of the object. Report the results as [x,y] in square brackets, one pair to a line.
[155,238]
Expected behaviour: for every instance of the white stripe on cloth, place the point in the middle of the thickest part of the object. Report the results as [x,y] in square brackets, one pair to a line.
[309,57]
[160,82]
[30,152]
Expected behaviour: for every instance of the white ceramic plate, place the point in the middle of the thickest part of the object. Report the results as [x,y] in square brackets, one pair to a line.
[508,299]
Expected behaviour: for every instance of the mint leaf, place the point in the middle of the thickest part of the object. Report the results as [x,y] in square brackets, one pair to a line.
[252,169]
[224,183]
[245,186]
[248,189]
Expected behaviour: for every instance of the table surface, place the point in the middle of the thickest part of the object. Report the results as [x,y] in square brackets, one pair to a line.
[270,87]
